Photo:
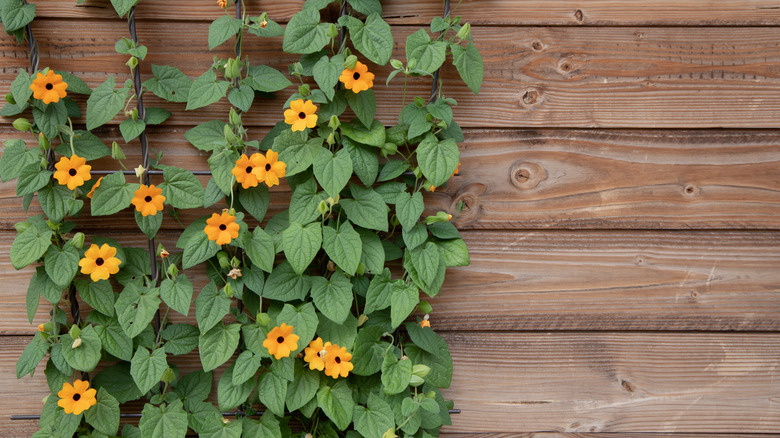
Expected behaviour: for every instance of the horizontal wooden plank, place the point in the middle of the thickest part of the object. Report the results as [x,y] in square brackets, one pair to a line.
[503,12]
[604,435]
[537,76]
[541,179]
[616,280]
[576,382]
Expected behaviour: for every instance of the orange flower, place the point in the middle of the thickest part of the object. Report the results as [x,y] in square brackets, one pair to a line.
[314,354]
[250,171]
[92,191]
[457,170]
[358,79]
[100,262]
[221,227]
[425,321]
[148,200]
[49,88]
[432,188]
[222,3]
[76,398]
[41,328]
[72,171]
[337,362]
[274,169]
[301,115]
[281,341]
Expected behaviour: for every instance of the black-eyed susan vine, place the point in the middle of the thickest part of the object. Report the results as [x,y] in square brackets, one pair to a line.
[305,312]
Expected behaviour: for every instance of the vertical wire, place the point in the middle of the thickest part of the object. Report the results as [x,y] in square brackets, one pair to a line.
[435,84]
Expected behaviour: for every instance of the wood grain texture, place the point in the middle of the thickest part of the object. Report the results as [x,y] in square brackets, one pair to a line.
[546,179]
[589,280]
[576,382]
[537,76]
[481,12]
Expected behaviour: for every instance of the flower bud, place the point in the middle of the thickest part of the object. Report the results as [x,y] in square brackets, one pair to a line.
[173,270]
[41,328]
[390,433]
[229,291]
[362,319]
[334,122]
[74,332]
[78,240]
[168,376]
[22,124]
[416,381]
[10,99]
[232,69]
[331,266]
[430,394]
[398,65]
[43,142]
[76,343]
[230,136]
[164,254]
[322,208]
[295,69]
[350,62]
[132,63]
[224,261]
[421,370]
[234,117]
[331,140]
[116,151]
[465,32]
[333,31]
[263,319]
[304,90]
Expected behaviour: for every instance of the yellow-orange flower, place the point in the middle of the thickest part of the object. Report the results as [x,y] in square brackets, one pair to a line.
[72,172]
[148,200]
[250,171]
[222,3]
[281,341]
[314,354]
[274,169]
[92,190]
[100,262]
[301,115]
[358,79]
[337,362]
[221,227]
[457,170]
[41,328]
[76,398]
[49,88]
[425,321]
[432,188]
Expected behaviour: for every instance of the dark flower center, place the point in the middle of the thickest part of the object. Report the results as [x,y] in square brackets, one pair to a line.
[49,86]
[222,227]
[356,76]
[248,169]
[76,397]
[148,199]
[267,167]
[302,115]
[280,339]
[99,261]
[337,360]
[72,172]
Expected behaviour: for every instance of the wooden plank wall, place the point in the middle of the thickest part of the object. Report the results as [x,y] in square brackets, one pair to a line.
[621,176]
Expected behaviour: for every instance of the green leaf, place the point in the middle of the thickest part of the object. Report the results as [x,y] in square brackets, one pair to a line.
[367,7]
[105,103]
[260,249]
[229,394]
[16,15]
[343,246]
[396,374]
[32,299]
[194,387]
[266,79]
[365,161]
[181,188]
[367,209]
[255,201]
[363,104]
[31,179]
[415,236]
[135,308]
[444,230]
[147,368]
[20,87]
[164,421]
[271,29]
[42,284]
[217,345]
[301,244]
[213,194]
[177,293]
[304,202]
[305,33]
[113,339]
[468,61]
[437,160]
[61,264]
[29,246]
[409,208]
[181,338]
[267,427]
[50,118]
[169,83]
[284,284]
[303,387]
[403,301]
[343,334]
[441,110]
[373,136]
[375,420]
[336,402]
[242,97]
[222,29]
[86,145]
[198,249]
[454,252]
[245,367]
[149,225]
[112,195]
[87,355]
[333,297]
[205,90]
[156,116]
[298,153]
[210,307]
[75,85]
[33,353]
[131,129]
[380,290]
[326,73]
[54,202]
[373,256]
[122,7]
[374,39]
[272,392]
[98,294]
[333,171]
[126,46]
[430,349]
[429,56]
[15,157]
[117,380]
[369,351]
[221,164]
[304,320]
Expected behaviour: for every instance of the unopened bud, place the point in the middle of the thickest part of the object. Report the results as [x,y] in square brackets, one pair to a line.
[416,381]
[333,31]
[116,151]
[41,328]
[331,266]
[421,370]
[232,69]
[465,32]
[132,63]
[234,117]
[76,343]
[22,124]
[78,240]
[350,62]
[322,208]
[334,122]
[304,90]
[74,332]
[398,65]
[390,433]
[168,376]
[229,291]
[263,319]
[425,307]
[173,270]
[222,257]
[331,140]
[362,319]
[230,136]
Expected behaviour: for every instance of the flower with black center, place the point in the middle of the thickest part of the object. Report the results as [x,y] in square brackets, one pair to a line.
[357,80]
[100,262]
[49,88]
[250,171]
[315,353]
[281,341]
[337,361]
[301,115]
[148,200]
[76,398]
[92,190]
[72,172]
[221,227]
[274,169]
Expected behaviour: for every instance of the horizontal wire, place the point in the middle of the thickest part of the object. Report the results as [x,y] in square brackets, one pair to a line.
[224,414]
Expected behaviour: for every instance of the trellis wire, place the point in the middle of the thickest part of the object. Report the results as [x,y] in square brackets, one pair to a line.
[435,84]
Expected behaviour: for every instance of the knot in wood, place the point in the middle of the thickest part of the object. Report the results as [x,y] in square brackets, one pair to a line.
[578,15]
[526,175]
[537,45]
[530,97]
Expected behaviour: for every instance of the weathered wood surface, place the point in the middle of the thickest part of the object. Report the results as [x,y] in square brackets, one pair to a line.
[539,179]
[619,280]
[481,12]
[612,77]
[575,382]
